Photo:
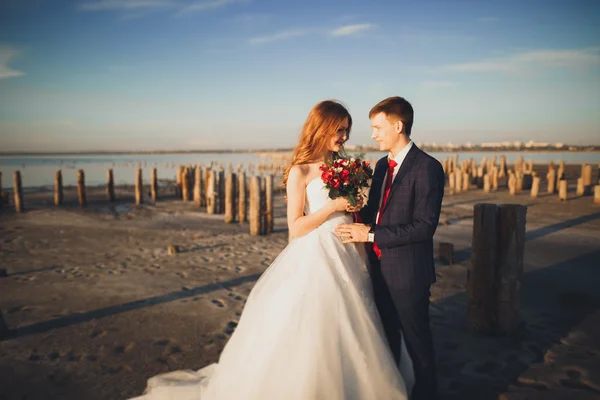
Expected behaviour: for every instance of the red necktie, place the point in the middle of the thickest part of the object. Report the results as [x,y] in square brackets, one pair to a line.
[388,185]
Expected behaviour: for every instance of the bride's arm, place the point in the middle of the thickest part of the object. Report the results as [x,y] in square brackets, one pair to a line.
[298,223]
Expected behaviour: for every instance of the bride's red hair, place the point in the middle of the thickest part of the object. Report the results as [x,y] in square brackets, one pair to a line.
[320,126]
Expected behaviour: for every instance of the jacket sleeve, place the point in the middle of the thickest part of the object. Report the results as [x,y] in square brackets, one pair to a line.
[429,192]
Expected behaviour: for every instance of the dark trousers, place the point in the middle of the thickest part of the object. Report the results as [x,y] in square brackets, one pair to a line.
[407,312]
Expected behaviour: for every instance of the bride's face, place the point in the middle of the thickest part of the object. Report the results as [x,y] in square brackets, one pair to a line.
[340,137]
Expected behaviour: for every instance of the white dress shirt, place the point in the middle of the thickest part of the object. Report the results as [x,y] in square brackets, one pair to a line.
[399,159]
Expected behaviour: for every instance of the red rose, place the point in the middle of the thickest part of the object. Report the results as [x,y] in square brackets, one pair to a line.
[344,175]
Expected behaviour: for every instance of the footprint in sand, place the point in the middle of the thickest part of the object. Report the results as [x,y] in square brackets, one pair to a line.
[182,275]
[123,348]
[239,269]
[218,303]
[97,333]
[222,268]
[206,259]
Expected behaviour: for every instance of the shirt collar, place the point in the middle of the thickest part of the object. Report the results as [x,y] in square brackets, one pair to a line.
[402,153]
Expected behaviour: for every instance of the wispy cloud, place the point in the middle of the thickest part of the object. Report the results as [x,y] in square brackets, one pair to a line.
[526,61]
[439,84]
[487,19]
[347,30]
[205,5]
[435,37]
[278,36]
[126,5]
[7,53]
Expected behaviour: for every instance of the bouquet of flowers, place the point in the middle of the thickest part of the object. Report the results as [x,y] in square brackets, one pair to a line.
[346,177]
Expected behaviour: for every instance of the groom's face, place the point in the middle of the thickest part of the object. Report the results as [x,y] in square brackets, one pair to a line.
[385,132]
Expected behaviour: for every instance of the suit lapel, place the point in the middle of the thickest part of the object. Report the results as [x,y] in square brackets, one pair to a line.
[406,166]
[376,185]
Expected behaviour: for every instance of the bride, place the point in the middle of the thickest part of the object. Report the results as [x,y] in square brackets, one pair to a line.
[310,328]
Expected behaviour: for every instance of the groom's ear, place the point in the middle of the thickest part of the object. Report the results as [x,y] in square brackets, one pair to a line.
[399,126]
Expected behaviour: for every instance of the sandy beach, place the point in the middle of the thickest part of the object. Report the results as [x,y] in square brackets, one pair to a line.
[96,304]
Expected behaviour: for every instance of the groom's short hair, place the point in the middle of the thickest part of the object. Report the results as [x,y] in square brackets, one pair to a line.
[395,108]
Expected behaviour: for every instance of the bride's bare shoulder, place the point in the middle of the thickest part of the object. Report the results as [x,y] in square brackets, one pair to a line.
[299,173]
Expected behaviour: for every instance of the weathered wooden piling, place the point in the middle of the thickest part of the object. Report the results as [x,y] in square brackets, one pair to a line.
[242,198]
[81,194]
[210,192]
[562,190]
[494,280]
[18,192]
[269,221]
[58,188]
[255,206]
[110,185]
[139,187]
[230,192]
[535,187]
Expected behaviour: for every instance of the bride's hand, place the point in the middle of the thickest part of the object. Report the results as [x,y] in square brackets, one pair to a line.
[340,204]
[357,207]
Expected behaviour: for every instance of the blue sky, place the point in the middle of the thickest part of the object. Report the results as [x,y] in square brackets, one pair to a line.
[205,74]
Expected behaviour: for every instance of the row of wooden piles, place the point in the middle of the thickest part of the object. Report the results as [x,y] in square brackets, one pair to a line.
[492,174]
[230,193]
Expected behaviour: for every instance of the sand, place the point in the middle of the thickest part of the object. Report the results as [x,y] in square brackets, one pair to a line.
[96,305]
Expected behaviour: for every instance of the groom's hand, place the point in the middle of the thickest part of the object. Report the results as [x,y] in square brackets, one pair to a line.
[352,233]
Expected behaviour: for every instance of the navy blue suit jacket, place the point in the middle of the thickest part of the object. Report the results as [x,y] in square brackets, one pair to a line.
[408,221]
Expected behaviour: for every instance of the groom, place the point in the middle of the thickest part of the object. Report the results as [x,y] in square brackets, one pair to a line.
[400,218]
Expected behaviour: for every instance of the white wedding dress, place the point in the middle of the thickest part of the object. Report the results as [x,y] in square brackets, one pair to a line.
[309,331]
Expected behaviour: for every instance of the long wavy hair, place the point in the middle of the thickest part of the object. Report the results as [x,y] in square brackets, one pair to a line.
[320,127]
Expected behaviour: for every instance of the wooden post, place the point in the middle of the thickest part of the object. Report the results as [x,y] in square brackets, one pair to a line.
[535,187]
[519,181]
[221,191]
[451,182]
[509,275]
[562,190]
[482,274]
[58,188]
[110,185]
[494,280]
[81,188]
[154,185]
[580,187]
[139,188]
[204,187]
[198,187]
[587,180]
[458,185]
[242,199]
[597,194]
[210,192]
[185,185]
[512,184]
[465,182]
[551,178]
[179,187]
[230,188]
[18,192]
[502,172]
[486,183]
[269,204]
[255,203]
